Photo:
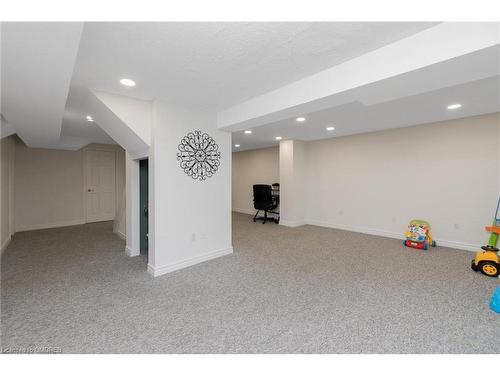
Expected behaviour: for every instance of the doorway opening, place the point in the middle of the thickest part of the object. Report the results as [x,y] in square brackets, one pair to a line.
[143,206]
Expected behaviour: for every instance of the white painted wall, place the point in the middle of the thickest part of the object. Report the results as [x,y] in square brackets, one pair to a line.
[444,173]
[249,168]
[292,189]
[7,154]
[6,129]
[107,111]
[135,113]
[49,189]
[190,219]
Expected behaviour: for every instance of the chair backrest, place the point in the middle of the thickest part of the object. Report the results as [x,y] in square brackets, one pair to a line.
[262,197]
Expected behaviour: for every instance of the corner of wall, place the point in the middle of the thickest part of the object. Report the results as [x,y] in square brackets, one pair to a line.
[171,267]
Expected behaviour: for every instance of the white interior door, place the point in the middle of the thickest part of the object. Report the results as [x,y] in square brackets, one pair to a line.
[100,185]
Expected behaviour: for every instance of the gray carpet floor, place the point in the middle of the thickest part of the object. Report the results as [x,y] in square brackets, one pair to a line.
[284,290]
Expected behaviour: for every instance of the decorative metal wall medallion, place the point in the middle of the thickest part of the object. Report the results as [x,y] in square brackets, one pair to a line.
[199,155]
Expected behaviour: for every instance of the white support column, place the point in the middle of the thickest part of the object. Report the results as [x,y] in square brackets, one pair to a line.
[132,198]
[190,219]
[152,201]
[292,186]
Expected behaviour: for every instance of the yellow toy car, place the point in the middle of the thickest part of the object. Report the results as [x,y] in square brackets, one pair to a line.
[487,261]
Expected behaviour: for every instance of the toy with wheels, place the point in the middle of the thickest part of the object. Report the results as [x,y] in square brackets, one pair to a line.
[488,260]
[418,235]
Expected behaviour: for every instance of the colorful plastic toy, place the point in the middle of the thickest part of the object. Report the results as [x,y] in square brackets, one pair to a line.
[488,261]
[495,301]
[418,235]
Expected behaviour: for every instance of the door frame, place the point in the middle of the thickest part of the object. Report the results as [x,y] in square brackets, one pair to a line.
[109,148]
[143,224]
[132,247]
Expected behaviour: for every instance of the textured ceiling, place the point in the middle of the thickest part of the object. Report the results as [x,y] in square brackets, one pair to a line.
[216,65]
[212,65]
[220,64]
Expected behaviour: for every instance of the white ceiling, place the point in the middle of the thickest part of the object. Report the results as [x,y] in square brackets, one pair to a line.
[417,97]
[220,64]
[477,97]
[74,124]
[210,64]
[217,65]
[36,69]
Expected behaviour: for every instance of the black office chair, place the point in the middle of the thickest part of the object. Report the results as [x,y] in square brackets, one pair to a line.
[275,191]
[263,200]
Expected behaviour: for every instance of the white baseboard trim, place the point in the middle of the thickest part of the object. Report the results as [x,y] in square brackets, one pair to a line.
[458,245]
[5,244]
[131,253]
[121,235]
[167,268]
[292,224]
[244,211]
[388,234]
[371,231]
[68,223]
[352,228]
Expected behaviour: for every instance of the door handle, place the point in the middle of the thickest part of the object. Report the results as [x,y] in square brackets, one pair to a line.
[90,190]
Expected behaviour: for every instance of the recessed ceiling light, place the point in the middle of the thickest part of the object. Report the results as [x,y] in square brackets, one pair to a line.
[236,145]
[330,128]
[454,106]
[300,119]
[127,82]
[279,138]
[89,118]
[248,132]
